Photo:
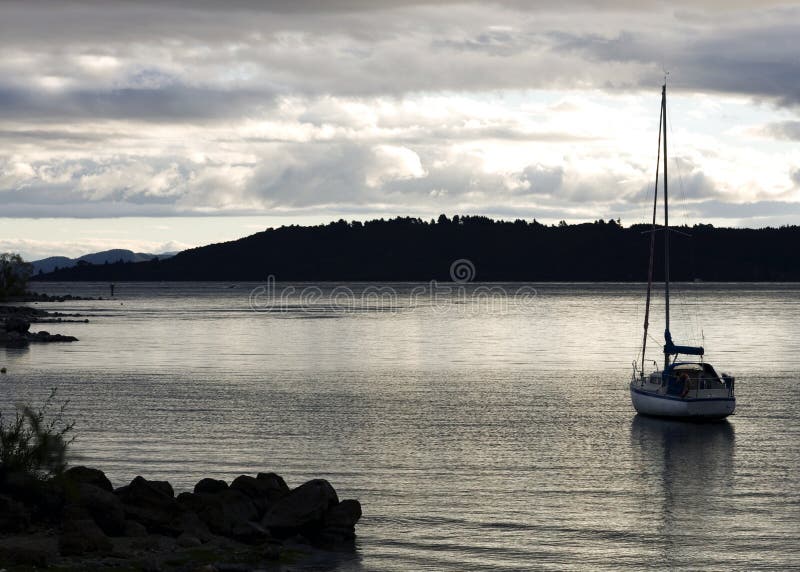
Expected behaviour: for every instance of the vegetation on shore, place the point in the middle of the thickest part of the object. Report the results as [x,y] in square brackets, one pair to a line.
[14,276]
[35,441]
[411,249]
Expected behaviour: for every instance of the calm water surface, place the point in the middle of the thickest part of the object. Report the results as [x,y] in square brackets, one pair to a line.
[478,434]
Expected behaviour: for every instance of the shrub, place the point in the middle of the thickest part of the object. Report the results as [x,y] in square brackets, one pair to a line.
[14,275]
[35,441]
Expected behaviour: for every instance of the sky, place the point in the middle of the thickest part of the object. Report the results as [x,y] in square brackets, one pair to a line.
[162,125]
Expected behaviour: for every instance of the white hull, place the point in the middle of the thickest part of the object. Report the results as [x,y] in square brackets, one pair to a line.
[659,405]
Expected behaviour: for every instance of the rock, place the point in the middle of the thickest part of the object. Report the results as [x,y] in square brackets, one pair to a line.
[14,517]
[89,476]
[222,511]
[276,484]
[302,510]
[17,324]
[29,557]
[346,513]
[338,524]
[210,486]
[15,340]
[47,337]
[264,492]
[81,536]
[250,533]
[191,524]
[20,486]
[186,540]
[152,504]
[43,498]
[50,501]
[104,507]
[134,529]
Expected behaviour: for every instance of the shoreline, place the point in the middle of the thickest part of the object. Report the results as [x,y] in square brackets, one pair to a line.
[15,323]
[78,520]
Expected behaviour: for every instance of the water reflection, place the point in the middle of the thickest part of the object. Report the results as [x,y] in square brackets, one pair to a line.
[688,470]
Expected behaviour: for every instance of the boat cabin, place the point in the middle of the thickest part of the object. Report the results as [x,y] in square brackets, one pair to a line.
[691,376]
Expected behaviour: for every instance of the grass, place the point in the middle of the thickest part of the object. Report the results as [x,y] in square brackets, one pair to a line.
[35,440]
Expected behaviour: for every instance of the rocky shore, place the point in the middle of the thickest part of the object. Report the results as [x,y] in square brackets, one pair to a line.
[15,323]
[79,521]
[39,297]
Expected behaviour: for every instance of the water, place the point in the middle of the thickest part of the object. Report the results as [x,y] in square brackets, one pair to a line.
[478,435]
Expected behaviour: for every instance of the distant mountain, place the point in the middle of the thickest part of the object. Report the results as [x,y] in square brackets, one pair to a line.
[410,249]
[46,265]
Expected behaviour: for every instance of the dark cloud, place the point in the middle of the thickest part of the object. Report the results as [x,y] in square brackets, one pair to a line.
[749,210]
[170,103]
[352,48]
[748,56]
[789,130]
[543,180]
[795,176]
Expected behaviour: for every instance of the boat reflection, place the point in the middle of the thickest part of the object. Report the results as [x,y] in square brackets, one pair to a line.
[687,471]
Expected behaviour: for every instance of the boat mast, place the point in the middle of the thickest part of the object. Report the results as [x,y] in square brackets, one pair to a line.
[652,241]
[666,223]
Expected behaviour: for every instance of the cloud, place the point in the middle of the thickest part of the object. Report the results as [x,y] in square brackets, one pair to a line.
[112,56]
[170,103]
[32,249]
[543,180]
[795,176]
[189,108]
[786,130]
[749,210]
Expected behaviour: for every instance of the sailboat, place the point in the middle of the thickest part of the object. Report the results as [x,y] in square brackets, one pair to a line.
[687,388]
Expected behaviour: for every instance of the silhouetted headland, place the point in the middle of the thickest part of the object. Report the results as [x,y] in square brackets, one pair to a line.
[410,249]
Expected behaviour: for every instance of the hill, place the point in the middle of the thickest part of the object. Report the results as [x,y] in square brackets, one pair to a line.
[410,249]
[51,263]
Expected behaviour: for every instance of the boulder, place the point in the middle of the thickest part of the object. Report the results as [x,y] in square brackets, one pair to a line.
[88,476]
[346,513]
[82,536]
[210,486]
[250,533]
[302,510]
[47,337]
[15,340]
[19,485]
[14,517]
[190,523]
[134,529]
[264,490]
[222,511]
[152,504]
[105,508]
[338,524]
[26,557]
[276,484]
[186,540]
[17,324]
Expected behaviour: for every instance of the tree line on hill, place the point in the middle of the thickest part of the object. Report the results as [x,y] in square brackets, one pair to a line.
[411,249]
